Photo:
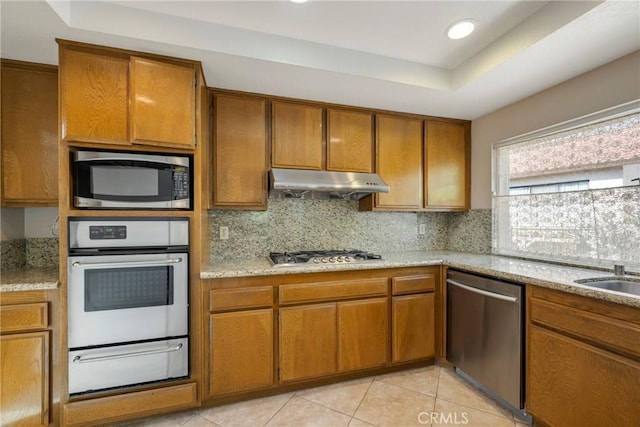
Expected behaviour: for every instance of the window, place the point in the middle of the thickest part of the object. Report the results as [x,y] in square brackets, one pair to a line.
[572,196]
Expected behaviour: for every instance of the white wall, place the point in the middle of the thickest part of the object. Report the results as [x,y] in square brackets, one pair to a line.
[609,85]
[11,224]
[38,222]
[20,223]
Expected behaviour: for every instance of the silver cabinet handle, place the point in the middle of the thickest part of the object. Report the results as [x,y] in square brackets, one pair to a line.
[482,292]
[80,359]
[127,263]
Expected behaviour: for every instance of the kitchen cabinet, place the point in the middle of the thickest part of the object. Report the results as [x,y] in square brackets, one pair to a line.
[413,317]
[296,136]
[25,359]
[349,140]
[29,134]
[240,152]
[110,96]
[278,332]
[399,163]
[308,341]
[582,360]
[241,340]
[362,334]
[331,337]
[447,165]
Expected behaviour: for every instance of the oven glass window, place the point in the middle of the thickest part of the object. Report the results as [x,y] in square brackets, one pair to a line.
[120,288]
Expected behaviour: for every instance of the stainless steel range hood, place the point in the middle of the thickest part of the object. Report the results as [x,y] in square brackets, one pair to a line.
[306,184]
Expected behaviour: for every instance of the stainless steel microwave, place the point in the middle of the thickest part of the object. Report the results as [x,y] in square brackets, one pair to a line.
[122,180]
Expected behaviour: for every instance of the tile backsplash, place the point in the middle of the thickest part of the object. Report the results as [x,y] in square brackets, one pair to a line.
[30,252]
[291,225]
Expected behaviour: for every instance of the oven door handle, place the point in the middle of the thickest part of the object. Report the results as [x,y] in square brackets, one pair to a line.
[80,359]
[482,292]
[127,263]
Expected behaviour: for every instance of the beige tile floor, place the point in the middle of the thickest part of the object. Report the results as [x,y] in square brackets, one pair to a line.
[430,396]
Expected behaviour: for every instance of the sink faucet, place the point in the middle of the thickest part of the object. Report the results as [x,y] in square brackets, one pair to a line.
[618,269]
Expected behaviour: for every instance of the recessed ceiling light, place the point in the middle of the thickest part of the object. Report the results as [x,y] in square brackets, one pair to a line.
[460,29]
[298,1]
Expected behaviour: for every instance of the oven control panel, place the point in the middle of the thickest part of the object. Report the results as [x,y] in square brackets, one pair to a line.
[107,232]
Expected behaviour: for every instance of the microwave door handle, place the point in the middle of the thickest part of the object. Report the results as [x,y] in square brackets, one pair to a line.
[482,292]
[128,263]
[80,359]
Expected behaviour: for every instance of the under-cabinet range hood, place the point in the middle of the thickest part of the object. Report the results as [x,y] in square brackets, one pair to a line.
[306,184]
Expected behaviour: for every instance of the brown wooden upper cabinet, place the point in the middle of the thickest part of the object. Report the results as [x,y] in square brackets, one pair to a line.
[447,165]
[296,136]
[29,134]
[240,160]
[349,141]
[399,163]
[113,97]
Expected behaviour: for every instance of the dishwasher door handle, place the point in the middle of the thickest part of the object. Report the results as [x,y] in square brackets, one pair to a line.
[482,292]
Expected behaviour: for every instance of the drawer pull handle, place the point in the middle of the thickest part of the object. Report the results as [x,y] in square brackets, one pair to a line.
[80,359]
[127,263]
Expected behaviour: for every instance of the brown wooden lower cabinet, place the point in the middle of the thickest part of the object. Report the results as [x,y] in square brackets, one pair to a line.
[283,331]
[24,374]
[307,341]
[121,407]
[413,334]
[583,360]
[26,358]
[362,334]
[241,349]
[575,384]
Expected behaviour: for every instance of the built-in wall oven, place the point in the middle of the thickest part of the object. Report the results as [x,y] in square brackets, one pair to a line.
[128,293]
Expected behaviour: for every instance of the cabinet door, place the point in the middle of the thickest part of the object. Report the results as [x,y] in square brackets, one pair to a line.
[447,155]
[163,103]
[29,134]
[362,334]
[241,351]
[296,134]
[307,341]
[399,159]
[240,161]
[24,383]
[94,97]
[413,327]
[349,141]
[570,383]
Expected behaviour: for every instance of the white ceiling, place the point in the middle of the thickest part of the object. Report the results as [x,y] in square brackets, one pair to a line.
[381,54]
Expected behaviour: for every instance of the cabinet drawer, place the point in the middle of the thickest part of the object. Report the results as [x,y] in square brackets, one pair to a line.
[229,299]
[608,332]
[136,404]
[325,291]
[413,284]
[24,317]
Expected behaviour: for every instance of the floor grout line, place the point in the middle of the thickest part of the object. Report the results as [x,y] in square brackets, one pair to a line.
[278,411]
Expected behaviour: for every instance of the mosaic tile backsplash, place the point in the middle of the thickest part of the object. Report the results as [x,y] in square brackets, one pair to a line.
[31,252]
[12,254]
[293,225]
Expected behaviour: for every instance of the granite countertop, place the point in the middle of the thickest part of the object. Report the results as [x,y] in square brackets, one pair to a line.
[29,279]
[524,271]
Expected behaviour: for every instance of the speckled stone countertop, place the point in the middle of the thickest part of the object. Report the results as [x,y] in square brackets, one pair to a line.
[531,272]
[29,279]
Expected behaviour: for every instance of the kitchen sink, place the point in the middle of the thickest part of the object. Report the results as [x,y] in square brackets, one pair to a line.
[613,284]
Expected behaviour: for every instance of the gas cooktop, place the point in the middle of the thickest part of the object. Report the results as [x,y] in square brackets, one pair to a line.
[302,258]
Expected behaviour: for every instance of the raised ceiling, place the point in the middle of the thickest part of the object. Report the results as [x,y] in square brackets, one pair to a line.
[382,54]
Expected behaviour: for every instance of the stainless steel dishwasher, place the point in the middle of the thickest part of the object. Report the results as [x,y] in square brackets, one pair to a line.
[485,335]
